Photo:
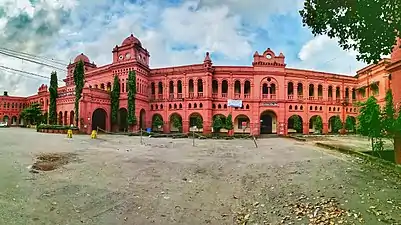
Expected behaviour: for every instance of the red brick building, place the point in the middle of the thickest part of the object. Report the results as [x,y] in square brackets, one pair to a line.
[261,97]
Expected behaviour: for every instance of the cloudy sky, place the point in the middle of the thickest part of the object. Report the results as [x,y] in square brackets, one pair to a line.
[176,32]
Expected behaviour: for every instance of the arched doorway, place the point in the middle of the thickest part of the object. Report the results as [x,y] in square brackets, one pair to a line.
[5,119]
[66,118]
[315,124]
[268,123]
[72,118]
[60,118]
[14,120]
[242,124]
[99,119]
[142,119]
[335,124]
[175,122]
[122,119]
[157,123]
[295,124]
[195,119]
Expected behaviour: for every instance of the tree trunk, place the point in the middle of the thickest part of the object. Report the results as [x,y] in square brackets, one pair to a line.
[397,149]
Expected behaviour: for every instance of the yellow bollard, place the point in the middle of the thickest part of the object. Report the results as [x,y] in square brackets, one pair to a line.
[94,134]
[69,134]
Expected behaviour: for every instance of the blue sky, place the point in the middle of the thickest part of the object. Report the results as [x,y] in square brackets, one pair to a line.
[176,32]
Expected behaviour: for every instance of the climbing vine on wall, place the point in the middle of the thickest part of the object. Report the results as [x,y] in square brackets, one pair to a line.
[131,98]
[115,100]
[79,75]
[53,98]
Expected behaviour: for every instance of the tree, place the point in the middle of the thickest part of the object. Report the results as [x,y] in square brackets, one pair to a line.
[177,122]
[336,124]
[79,76]
[388,115]
[199,122]
[318,124]
[131,98]
[229,122]
[350,124]
[217,124]
[115,100]
[53,98]
[297,123]
[32,114]
[370,124]
[369,27]
[157,122]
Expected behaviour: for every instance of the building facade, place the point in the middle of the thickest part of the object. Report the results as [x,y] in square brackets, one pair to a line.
[262,98]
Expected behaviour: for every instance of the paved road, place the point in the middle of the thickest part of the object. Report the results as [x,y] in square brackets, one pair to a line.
[167,181]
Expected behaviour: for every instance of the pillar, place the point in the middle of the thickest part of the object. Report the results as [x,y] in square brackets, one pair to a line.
[325,128]
[185,126]
[207,126]
[305,128]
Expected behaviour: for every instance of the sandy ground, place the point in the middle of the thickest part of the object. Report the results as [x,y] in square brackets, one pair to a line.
[115,180]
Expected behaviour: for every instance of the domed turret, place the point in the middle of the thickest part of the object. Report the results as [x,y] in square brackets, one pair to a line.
[82,57]
[131,40]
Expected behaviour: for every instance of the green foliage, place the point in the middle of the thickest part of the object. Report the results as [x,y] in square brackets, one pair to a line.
[157,121]
[229,122]
[53,98]
[356,24]
[199,122]
[388,115]
[131,98]
[297,123]
[32,114]
[370,124]
[318,124]
[176,121]
[350,123]
[217,124]
[336,124]
[79,75]
[115,100]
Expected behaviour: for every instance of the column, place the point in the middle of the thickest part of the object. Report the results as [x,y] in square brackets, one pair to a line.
[306,128]
[325,128]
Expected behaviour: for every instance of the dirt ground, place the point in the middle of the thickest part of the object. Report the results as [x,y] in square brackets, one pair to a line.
[352,141]
[116,180]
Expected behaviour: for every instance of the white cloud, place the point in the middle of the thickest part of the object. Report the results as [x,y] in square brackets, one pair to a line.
[323,54]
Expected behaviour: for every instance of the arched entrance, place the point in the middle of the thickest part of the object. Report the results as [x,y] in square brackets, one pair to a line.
[60,118]
[66,118]
[142,119]
[157,122]
[195,119]
[122,119]
[242,124]
[315,124]
[175,122]
[72,118]
[14,120]
[5,119]
[99,119]
[295,124]
[335,124]
[268,123]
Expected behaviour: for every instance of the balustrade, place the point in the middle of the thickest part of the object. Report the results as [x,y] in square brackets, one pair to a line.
[300,97]
[200,94]
[191,95]
[171,96]
[214,95]
[247,96]
[224,95]
[311,98]
[290,97]
[237,95]
[179,95]
[265,95]
[272,96]
[160,96]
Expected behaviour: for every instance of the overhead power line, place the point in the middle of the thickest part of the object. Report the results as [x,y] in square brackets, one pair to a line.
[56,61]
[26,72]
[30,59]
